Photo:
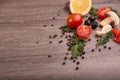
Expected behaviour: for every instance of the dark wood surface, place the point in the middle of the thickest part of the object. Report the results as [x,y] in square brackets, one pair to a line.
[24,44]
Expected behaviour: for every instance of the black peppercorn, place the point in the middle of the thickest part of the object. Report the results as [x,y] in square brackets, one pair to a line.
[74,61]
[49,56]
[92,50]
[99,50]
[63,63]
[50,42]
[77,68]
[77,62]
[65,58]
[109,48]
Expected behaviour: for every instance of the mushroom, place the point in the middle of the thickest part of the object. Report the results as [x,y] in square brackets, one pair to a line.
[112,17]
[104,30]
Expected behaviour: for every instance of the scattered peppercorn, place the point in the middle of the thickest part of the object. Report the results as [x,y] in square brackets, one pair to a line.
[109,48]
[52,25]
[76,68]
[71,58]
[97,40]
[37,42]
[100,39]
[67,53]
[89,39]
[105,47]
[58,14]
[54,36]
[92,50]
[45,25]
[63,63]
[69,48]
[58,10]
[63,33]
[61,36]
[74,61]
[50,36]
[50,42]
[53,18]
[83,52]
[82,57]
[66,36]
[77,63]
[99,50]
[49,56]
[60,41]
[65,58]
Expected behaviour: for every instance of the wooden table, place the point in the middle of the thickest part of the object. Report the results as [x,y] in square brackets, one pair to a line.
[25,26]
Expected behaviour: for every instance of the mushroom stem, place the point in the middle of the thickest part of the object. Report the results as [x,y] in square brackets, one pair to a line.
[106,21]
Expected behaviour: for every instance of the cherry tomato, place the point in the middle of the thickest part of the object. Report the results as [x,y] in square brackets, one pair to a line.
[101,12]
[116,33]
[84,31]
[117,40]
[74,20]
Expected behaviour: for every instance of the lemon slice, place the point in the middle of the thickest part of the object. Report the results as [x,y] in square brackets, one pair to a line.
[80,6]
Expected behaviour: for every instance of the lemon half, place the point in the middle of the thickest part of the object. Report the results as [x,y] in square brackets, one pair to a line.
[80,6]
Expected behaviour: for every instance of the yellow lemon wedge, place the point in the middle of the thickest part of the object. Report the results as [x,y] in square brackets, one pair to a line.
[80,6]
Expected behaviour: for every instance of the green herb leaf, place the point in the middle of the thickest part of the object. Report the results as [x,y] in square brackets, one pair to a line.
[75,51]
[66,28]
[108,36]
[78,48]
[93,11]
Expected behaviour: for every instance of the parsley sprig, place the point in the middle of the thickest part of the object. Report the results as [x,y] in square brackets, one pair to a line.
[106,39]
[66,28]
[93,11]
[78,48]
[77,44]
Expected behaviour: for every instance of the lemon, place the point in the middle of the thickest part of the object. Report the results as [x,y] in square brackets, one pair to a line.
[80,6]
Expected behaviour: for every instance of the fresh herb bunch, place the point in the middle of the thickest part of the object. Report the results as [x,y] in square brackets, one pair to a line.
[76,44]
[66,29]
[93,11]
[78,48]
[106,39]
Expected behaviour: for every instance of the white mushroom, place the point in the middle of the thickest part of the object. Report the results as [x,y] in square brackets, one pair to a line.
[112,17]
[104,30]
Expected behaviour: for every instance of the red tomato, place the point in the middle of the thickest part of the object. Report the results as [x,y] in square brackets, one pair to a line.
[117,40]
[101,12]
[116,33]
[74,20]
[84,31]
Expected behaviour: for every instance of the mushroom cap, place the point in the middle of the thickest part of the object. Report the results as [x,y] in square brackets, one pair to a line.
[114,17]
[104,30]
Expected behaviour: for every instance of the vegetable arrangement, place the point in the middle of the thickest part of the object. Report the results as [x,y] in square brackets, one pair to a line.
[83,30]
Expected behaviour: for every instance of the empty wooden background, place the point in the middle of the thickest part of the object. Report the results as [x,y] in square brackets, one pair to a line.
[24,44]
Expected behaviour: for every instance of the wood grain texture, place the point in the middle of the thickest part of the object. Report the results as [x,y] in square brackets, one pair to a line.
[21,58]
